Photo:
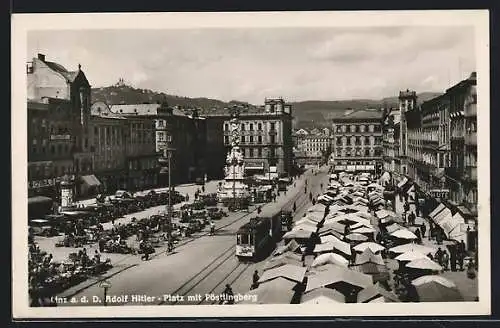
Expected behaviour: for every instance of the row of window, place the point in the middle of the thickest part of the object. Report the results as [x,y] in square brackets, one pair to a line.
[358,140]
[251,140]
[60,149]
[246,126]
[357,128]
[357,153]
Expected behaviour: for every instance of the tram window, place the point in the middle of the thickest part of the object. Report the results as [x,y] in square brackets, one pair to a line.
[238,239]
[243,239]
[251,239]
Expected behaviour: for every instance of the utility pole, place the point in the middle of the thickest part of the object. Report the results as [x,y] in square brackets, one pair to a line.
[168,153]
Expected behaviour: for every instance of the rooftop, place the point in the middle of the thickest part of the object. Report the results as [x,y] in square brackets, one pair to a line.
[142,109]
[362,114]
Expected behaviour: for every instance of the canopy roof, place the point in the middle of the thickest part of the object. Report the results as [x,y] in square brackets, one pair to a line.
[376,291]
[436,292]
[298,234]
[424,263]
[337,274]
[410,255]
[403,234]
[322,295]
[369,257]
[412,247]
[331,258]
[276,291]
[374,247]
[433,278]
[289,271]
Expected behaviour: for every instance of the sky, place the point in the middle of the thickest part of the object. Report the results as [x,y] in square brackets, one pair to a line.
[250,64]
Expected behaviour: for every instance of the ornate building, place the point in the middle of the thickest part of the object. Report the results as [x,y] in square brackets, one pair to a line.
[390,141]
[58,115]
[358,141]
[314,146]
[462,174]
[266,136]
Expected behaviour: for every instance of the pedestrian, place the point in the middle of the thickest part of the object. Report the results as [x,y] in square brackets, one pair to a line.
[294,207]
[439,256]
[446,260]
[461,255]
[453,258]
[228,296]
[353,256]
[471,273]
[411,218]
[430,256]
[255,280]
[423,228]
[419,237]
[102,242]
[439,236]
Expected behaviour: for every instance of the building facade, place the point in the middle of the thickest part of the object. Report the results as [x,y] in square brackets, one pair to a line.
[58,114]
[438,148]
[358,141]
[391,141]
[312,146]
[266,136]
[157,130]
[462,174]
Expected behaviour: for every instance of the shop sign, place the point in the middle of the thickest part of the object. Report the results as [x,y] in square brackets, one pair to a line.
[41,183]
[351,168]
[440,193]
[59,137]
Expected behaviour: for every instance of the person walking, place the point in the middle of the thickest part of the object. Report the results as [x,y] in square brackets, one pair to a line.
[423,228]
[453,258]
[461,255]
[406,208]
[439,256]
[419,237]
[446,260]
[255,280]
[228,295]
[294,207]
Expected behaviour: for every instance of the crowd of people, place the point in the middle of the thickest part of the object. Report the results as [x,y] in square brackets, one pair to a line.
[48,277]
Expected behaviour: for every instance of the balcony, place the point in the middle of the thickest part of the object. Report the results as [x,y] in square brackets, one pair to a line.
[471,139]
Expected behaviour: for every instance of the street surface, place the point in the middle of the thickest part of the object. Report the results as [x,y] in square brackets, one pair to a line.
[198,267]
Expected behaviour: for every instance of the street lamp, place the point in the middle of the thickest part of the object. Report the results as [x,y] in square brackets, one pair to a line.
[168,154]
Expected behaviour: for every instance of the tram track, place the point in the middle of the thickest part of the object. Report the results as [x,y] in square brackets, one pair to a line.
[222,259]
[203,273]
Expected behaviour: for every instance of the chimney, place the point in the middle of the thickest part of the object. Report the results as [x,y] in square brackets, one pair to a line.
[41,57]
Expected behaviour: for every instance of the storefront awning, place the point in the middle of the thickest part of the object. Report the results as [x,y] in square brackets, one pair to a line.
[91,180]
[437,210]
[39,200]
[402,182]
[254,166]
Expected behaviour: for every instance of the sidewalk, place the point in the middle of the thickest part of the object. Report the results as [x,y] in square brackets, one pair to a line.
[188,188]
[467,287]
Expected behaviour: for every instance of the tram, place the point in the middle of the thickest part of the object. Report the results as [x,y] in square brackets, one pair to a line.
[257,238]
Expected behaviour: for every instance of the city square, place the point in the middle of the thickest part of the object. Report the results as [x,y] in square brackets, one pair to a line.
[284,193]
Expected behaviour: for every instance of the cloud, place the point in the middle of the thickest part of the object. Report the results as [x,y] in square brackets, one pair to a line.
[250,64]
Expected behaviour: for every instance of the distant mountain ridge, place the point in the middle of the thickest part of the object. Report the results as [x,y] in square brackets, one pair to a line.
[308,113]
